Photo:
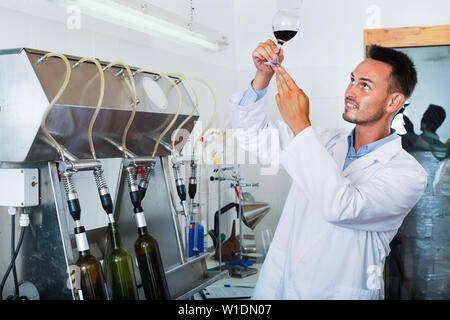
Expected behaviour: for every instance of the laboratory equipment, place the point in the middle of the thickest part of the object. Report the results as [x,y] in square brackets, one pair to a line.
[249,212]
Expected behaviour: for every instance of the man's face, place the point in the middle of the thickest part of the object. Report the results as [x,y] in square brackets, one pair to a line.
[367,94]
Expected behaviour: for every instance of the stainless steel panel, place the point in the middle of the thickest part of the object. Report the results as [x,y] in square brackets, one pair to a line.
[45,250]
[22,103]
[84,85]
[69,126]
[27,88]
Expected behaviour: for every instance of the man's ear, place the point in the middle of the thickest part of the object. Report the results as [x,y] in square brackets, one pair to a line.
[395,102]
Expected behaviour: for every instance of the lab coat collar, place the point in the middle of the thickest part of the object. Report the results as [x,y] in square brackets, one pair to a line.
[382,154]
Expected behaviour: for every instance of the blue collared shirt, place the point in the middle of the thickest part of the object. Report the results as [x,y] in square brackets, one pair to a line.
[251,96]
[352,155]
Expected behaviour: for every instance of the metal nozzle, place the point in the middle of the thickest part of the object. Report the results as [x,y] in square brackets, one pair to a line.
[76,65]
[69,186]
[41,60]
[131,178]
[119,73]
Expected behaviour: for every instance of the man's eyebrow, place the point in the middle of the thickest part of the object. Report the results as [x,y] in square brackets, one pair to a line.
[363,79]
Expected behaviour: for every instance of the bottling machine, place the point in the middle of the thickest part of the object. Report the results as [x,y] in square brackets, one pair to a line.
[49,248]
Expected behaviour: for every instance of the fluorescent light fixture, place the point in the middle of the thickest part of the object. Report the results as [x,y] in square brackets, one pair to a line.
[138,19]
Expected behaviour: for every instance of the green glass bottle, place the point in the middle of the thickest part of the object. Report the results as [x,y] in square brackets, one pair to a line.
[150,263]
[91,275]
[120,268]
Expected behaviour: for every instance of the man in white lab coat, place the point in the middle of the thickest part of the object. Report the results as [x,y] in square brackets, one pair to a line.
[350,191]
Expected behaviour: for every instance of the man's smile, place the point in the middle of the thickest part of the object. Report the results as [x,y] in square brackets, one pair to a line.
[350,104]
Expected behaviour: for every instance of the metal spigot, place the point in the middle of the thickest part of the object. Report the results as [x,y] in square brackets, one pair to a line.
[179,183]
[193,180]
[41,59]
[134,189]
[143,184]
[103,191]
[72,196]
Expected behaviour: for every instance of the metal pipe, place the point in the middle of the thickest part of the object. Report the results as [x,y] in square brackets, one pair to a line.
[240,212]
[139,161]
[119,147]
[80,165]
[67,154]
[220,213]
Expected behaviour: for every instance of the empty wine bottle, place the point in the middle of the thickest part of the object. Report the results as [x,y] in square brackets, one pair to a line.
[120,268]
[150,263]
[91,275]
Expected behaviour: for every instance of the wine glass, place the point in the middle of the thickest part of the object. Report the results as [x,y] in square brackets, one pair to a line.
[285,26]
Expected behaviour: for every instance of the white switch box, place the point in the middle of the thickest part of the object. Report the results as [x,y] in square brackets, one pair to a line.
[19,187]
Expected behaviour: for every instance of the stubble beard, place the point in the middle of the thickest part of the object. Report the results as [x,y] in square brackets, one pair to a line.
[362,119]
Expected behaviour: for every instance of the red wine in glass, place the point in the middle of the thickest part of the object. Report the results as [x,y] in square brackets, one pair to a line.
[284,35]
[285,26]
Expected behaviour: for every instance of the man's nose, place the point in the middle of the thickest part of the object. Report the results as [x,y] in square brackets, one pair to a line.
[350,92]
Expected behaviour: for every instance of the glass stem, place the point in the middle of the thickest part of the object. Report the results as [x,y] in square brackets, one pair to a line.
[279,50]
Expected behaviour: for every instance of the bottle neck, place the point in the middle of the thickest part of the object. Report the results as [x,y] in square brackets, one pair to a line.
[81,240]
[84,253]
[140,219]
[142,231]
[114,235]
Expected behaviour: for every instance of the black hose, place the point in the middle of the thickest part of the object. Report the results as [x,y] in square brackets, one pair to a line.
[223,210]
[13,245]
[16,252]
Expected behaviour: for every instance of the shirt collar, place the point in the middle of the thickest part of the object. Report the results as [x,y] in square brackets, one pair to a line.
[371,146]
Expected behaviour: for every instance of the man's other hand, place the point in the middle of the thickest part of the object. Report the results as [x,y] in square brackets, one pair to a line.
[292,102]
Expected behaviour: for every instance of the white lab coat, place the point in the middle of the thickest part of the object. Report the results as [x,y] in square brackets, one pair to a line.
[334,232]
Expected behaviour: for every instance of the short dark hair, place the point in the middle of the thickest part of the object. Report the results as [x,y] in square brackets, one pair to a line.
[403,77]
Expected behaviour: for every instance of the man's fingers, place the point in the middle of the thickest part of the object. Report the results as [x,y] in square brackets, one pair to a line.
[256,54]
[269,49]
[287,79]
[277,98]
[262,51]
[266,51]
[271,52]
[281,83]
[271,44]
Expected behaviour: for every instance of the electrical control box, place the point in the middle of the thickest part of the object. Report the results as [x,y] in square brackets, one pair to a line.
[19,187]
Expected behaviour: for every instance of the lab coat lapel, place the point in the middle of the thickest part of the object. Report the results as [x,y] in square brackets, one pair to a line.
[382,154]
[339,151]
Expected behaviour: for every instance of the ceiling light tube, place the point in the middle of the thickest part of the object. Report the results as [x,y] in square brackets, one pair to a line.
[125,16]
